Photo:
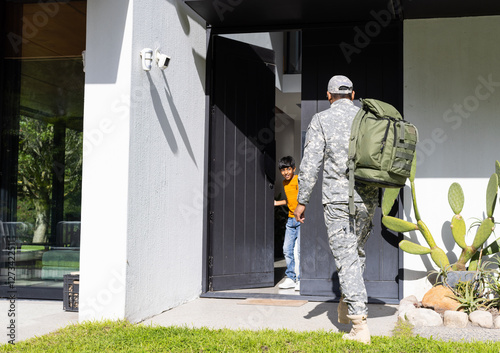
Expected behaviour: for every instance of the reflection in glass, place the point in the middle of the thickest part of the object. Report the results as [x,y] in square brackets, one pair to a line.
[41,124]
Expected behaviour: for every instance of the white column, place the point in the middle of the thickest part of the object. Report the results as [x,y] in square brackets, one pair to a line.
[103,257]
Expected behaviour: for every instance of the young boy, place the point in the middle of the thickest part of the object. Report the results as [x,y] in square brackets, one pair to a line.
[290,184]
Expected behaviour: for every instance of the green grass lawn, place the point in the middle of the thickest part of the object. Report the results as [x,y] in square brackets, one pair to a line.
[121,336]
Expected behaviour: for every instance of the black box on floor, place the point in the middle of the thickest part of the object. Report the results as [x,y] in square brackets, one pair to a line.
[71,288]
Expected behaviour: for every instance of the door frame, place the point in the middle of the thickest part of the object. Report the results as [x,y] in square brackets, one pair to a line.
[210,32]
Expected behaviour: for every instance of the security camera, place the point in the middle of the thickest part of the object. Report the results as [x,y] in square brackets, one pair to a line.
[162,60]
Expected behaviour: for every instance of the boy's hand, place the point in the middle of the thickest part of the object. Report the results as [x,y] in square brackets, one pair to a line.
[299,213]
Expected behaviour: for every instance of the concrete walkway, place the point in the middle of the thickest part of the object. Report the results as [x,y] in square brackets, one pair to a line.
[239,314]
[37,318]
[32,318]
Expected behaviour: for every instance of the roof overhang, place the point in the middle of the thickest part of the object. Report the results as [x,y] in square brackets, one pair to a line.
[303,13]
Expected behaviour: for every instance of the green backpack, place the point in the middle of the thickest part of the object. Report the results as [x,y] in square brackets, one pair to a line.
[381,147]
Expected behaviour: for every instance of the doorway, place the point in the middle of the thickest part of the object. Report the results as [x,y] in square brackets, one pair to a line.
[297,97]
[250,120]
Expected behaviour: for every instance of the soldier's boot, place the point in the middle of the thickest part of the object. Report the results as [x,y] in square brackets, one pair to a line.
[342,312]
[359,331]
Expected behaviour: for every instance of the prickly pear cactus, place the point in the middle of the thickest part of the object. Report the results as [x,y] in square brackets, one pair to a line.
[390,196]
[483,233]
[458,230]
[413,169]
[413,248]
[458,226]
[456,198]
[491,195]
[440,258]
[398,225]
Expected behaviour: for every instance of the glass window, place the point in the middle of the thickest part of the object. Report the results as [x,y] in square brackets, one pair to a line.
[41,124]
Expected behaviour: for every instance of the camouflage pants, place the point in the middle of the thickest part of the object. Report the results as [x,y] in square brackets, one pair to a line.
[348,250]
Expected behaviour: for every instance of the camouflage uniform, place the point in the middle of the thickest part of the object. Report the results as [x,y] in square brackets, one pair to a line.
[327,140]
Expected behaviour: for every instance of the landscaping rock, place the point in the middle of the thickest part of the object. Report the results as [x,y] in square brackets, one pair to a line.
[455,319]
[424,317]
[403,308]
[481,318]
[496,322]
[410,300]
[440,299]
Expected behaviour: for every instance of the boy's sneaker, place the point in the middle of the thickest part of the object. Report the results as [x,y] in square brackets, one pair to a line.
[287,283]
[297,286]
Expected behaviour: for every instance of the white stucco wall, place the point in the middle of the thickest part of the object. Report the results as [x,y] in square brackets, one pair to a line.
[167,163]
[106,157]
[142,224]
[452,94]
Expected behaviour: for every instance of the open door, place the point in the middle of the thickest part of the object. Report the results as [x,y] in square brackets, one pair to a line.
[241,166]
[375,74]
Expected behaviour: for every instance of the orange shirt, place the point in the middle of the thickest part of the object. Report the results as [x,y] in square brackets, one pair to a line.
[291,191]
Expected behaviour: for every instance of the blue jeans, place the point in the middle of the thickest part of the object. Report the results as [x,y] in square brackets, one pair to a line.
[292,234]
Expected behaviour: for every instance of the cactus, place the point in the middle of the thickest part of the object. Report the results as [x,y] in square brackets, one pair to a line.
[398,225]
[456,198]
[458,226]
[483,232]
[491,195]
[413,248]
[390,196]
[439,257]
[458,230]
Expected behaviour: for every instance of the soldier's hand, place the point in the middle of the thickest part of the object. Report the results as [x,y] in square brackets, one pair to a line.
[299,213]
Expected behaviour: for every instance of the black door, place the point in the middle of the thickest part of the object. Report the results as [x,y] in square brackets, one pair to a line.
[374,66]
[241,168]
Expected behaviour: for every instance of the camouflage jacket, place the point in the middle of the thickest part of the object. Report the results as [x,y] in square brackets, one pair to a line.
[327,140]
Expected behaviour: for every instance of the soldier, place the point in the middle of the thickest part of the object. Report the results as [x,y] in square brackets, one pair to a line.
[327,140]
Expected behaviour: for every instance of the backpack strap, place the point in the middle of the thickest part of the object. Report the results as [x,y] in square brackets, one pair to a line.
[352,153]
[352,210]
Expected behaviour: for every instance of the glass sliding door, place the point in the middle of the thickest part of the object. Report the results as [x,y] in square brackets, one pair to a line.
[41,124]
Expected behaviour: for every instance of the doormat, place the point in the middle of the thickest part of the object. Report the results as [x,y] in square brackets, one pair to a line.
[276,302]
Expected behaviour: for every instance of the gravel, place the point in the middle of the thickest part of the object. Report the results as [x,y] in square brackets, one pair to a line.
[466,334]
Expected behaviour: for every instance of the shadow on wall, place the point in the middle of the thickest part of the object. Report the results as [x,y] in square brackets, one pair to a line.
[201,67]
[164,121]
[178,120]
[183,18]
[98,69]
[184,12]
[449,241]
[162,116]
[412,236]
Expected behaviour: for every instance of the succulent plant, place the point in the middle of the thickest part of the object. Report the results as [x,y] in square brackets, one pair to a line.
[458,227]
